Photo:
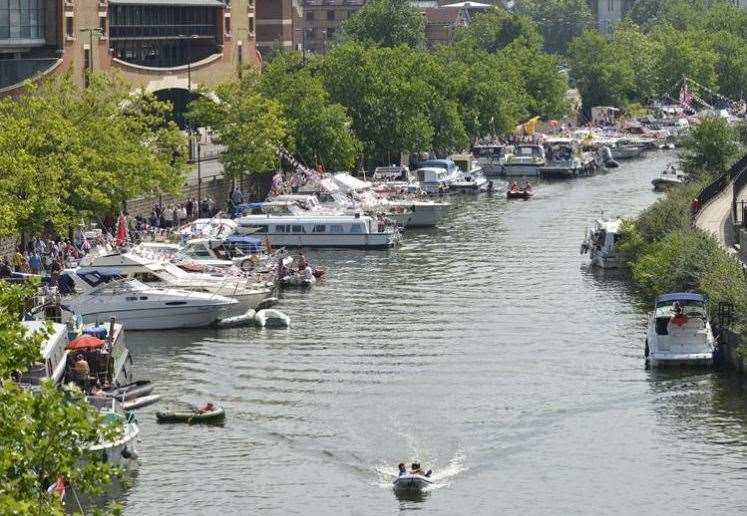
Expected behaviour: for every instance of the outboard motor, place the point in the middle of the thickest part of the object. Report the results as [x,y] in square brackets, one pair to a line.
[606,154]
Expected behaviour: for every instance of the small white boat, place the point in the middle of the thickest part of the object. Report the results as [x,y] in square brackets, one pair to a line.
[679,332]
[121,450]
[409,482]
[142,401]
[600,244]
[668,178]
[299,279]
[271,318]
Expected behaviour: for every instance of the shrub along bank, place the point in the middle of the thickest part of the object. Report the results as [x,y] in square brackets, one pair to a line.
[667,253]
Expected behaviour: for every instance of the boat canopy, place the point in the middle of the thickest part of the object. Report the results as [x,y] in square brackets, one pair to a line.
[680,296]
[95,276]
[445,164]
[245,243]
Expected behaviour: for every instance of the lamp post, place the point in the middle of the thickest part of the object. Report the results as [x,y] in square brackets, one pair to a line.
[90,32]
[304,33]
[188,55]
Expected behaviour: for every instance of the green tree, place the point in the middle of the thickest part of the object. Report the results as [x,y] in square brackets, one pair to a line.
[393,96]
[495,28]
[602,76]
[387,23]
[639,51]
[44,434]
[731,64]
[683,54]
[70,154]
[560,21]
[320,129]
[710,148]
[250,125]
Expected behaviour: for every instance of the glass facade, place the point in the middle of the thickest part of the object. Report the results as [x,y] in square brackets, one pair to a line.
[163,36]
[21,20]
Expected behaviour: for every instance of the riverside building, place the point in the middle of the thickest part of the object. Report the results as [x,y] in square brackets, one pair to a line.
[168,47]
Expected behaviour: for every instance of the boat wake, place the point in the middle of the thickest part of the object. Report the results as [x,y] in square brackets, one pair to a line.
[441,476]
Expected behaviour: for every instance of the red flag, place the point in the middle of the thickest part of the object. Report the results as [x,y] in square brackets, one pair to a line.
[58,487]
[121,237]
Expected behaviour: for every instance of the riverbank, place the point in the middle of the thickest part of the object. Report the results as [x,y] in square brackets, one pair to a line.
[669,252]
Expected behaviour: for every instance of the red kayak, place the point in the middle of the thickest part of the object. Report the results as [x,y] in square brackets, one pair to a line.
[519,193]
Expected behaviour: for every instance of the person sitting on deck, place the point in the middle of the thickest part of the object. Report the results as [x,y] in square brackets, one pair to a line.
[208,407]
[679,318]
[82,371]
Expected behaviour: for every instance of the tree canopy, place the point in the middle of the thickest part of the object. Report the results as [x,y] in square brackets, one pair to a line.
[387,23]
[250,125]
[559,20]
[70,154]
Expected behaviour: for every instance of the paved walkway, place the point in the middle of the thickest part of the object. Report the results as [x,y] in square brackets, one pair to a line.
[715,218]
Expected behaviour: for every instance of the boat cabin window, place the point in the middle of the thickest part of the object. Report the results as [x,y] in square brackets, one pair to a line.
[297,228]
[336,228]
[320,228]
[282,228]
[146,277]
[356,228]
[199,251]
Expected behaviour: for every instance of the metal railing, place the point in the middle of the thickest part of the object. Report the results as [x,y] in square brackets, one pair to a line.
[739,173]
[709,192]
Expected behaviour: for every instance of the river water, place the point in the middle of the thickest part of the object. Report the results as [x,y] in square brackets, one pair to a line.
[485,348]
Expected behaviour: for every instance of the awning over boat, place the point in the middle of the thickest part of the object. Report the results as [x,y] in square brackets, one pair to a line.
[680,296]
[245,243]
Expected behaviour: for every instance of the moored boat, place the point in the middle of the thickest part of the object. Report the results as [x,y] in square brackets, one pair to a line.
[679,331]
[410,482]
[600,243]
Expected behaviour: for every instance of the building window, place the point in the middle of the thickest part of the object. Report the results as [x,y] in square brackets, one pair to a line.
[330,33]
[102,24]
[227,24]
[251,25]
[69,27]
[22,20]
[331,15]
[310,15]
[610,5]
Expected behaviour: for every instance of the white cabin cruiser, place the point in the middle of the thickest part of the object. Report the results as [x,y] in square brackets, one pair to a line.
[564,159]
[336,231]
[98,294]
[165,274]
[422,212]
[526,160]
[600,244]
[492,157]
[679,332]
[669,177]
[119,450]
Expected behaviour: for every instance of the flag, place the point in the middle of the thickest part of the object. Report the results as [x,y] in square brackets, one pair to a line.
[58,487]
[121,236]
[686,98]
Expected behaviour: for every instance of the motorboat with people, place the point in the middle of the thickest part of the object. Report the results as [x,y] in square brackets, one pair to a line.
[526,160]
[433,180]
[414,479]
[601,242]
[333,231]
[299,278]
[99,293]
[669,177]
[72,357]
[679,331]
[247,291]
[520,192]
[564,159]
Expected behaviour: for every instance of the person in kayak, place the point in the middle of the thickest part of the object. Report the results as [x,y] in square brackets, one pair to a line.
[415,470]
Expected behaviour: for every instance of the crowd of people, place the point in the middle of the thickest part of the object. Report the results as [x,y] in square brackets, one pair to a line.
[49,255]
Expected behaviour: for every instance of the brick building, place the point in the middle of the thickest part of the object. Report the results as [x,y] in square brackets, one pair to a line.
[165,46]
